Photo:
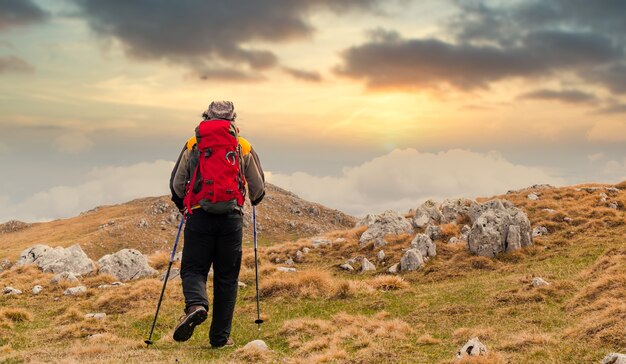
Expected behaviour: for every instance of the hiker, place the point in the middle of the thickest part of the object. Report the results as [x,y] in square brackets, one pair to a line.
[208,186]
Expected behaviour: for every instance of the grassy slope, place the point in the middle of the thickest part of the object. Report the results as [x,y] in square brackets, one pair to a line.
[323,314]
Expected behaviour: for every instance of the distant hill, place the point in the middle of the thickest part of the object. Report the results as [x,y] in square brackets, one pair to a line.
[150,224]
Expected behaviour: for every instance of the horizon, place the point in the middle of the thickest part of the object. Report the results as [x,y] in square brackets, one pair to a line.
[361,106]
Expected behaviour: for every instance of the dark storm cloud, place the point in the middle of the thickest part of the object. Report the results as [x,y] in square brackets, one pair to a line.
[215,34]
[311,76]
[11,64]
[569,96]
[529,40]
[15,13]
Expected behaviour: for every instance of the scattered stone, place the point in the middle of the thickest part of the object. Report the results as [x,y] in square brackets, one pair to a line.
[96,315]
[381,255]
[65,276]
[277,260]
[306,250]
[347,267]
[340,240]
[143,224]
[614,358]
[411,260]
[472,348]
[299,256]
[5,264]
[95,336]
[424,244]
[389,222]
[394,268]
[539,231]
[538,282]
[178,256]
[604,197]
[427,213]
[493,229]
[366,265]
[321,242]
[533,197]
[289,261]
[379,243]
[114,284]
[256,345]
[58,260]
[159,207]
[434,232]
[612,191]
[287,269]
[174,273]
[241,284]
[453,210]
[453,240]
[126,264]
[37,289]
[75,291]
[8,290]
[613,205]
[568,219]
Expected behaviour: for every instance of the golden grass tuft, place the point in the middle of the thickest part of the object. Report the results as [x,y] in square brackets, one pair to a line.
[556,291]
[99,279]
[525,341]
[449,230]
[490,358]
[388,283]
[123,299]
[462,334]
[428,339]
[159,260]
[306,284]
[251,355]
[16,314]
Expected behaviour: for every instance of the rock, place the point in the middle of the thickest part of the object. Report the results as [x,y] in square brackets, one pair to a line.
[289,261]
[174,273]
[178,256]
[8,290]
[299,256]
[389,222]
[434,232]
[159,207]
[453,210]
[95,336]
[65,276]
[612,191]
[306,250]
[75,291]
[126,264]
[567,219]
[550,211]
[241,284]
[96,315]
[539,231]
[340,240]
[427,213]
[453,240]
[320,242]
[538,282]
[347,267]
[465,230]
[143,223]
[256,345]
[366,265]
[614,358]
[472,348]
[277,260]
[604,197]
[58,260]
[493,232]
[613,205]
[424,245]
[37,289]
[381,255]
[379,243]
[286,269]
[114,284]
[394,268]
[5,264]
[411,260]
[533,197]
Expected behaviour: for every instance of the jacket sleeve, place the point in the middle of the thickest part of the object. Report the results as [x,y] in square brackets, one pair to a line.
[179,178]
[254,177]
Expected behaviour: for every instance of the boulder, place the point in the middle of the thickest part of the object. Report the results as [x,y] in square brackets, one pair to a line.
[498,227]
[8,290]
[389,222]
[256,345]
[379,243]
[472,348]
[347,267]
[425,245]
[65,276]
[381,255]
[5,264]
[434,232]
[75,291]
[174,273]
[37,289]
[126,264]
[533,197]
[538,282]
[453,240]
[320,242]
[299,257]
[614,358]
[539,231]
[394,268]
[58,260]
[411,260]
[456,209]
[427,213]
[366,265]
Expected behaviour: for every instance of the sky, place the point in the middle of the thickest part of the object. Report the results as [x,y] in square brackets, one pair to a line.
[361,105]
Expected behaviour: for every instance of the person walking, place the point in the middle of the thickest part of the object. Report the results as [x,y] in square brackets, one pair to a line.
[208,185]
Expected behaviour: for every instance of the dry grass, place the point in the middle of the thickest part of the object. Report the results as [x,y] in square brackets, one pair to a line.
[526,293]
[525,341]
[16,314]
[449,230]
[307,284]
[159,260]
[461,335]
[428,339]
[125,298]
[388,283]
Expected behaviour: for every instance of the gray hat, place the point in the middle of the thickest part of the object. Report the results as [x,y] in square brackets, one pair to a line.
[220,110]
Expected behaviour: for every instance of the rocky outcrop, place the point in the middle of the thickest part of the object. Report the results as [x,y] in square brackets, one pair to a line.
[126,264]
[424,244]
[411,260]
[457,209]
[58,260]
[498,226]
[389,222]
[427,213]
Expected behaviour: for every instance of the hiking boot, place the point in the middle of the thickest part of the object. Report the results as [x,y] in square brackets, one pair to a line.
[229,343]
[194,317]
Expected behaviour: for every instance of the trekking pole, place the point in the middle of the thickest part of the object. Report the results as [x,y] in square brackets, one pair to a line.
[258,321]
[167,276]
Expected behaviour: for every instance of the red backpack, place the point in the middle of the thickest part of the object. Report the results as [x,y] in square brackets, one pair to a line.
[217,183]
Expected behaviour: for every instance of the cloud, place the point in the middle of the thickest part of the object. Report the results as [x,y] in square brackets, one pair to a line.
[608,131]
[103,186]
[592,158]
[311,76]
[403,178]
[485,44]
[568,96]
[11,64]
[73,143]
[15,13]
[617,108]
[215,35]
[615,171]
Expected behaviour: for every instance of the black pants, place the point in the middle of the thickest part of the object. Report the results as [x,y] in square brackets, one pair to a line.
[212,239]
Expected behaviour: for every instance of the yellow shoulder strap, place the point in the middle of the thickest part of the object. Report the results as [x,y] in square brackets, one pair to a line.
[245,145]
[191,142]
